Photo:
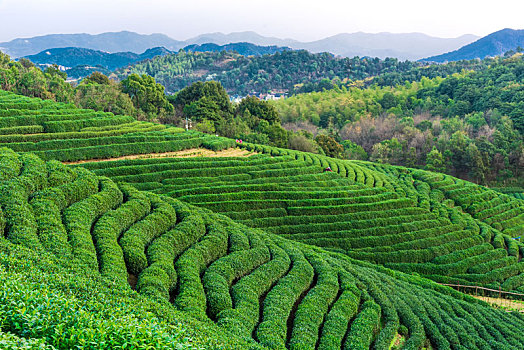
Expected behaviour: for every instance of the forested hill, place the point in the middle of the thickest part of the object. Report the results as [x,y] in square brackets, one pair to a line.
[471,123]
[80,62]
[243,48]
[242,75]
[494,44]
[76,56]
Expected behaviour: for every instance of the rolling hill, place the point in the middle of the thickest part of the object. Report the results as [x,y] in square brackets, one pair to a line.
[241,75]
[136,245]
[74,56]
[243,48]
[71,57]
[494,44]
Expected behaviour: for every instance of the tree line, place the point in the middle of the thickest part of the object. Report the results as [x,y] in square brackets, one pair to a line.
[296,71]
[469,124]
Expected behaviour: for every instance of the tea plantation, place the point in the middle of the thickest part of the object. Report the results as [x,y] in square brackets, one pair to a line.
[55,131]
[262,252]
[444,228]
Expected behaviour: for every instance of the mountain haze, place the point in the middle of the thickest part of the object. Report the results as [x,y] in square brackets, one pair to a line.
[410,46]
[247,36]
[494,44]
[109,42]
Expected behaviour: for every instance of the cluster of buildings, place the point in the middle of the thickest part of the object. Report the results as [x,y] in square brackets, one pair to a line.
[271,95]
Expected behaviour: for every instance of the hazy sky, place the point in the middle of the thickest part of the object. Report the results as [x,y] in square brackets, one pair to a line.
[297,19]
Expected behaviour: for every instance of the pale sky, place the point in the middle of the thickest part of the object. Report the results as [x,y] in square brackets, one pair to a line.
[303,20]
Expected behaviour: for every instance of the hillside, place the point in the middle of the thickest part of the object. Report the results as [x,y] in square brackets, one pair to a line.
[408,202]
[119,244]
[242,75]
[243,48]
[386,215]
[494,44]
[80,62]
[480,109]
[70,57]
[155,270]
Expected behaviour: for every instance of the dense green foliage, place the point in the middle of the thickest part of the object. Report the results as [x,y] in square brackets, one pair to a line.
[288,70]
[206,107]
[473,120]
[407,219]
[316,259]
[148,271]
[147,95]
[139,96]
[470,122]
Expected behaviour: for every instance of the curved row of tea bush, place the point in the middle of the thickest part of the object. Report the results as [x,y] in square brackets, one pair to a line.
[262,290]
[66,133]
[406,224]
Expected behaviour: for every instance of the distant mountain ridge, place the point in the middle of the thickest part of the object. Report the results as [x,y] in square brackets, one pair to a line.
[494,44]
[109,42]
[247,36]
[407,46]
[411,46]
[71,57]
[75,56]
[404,46]
[243,48]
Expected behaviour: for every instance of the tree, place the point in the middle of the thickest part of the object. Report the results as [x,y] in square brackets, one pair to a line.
[354,151]
[96,78]
[387,151]
[278,136]
[53,71]
[211,90]
[388,101]
[330,146]
[101,97]
[147,95]
[457,146]
[300,142]
[206,126]
[435,161]
[477,169]
[259,109]
[203,109]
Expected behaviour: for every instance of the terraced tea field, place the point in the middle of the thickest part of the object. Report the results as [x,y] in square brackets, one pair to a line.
[400,218]
[65,133]
[516,192]
[261,288]
[269,251]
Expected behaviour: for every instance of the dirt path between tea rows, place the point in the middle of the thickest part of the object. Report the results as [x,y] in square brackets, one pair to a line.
[192,152]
